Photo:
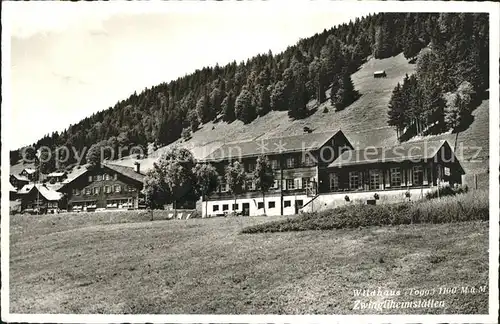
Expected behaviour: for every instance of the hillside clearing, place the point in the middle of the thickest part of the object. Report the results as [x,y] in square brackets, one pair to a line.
[364,122]
[204,266]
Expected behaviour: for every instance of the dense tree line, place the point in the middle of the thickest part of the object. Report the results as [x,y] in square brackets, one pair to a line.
[311,69]
[450,80]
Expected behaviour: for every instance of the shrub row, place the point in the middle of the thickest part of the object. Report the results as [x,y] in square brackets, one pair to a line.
[462,207]
[446,191]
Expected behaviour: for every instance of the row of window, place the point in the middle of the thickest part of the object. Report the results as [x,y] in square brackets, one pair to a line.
[103,177]
[287,184]
[416,176]
[110,203]
[106,189]
[290,162]
[260,205]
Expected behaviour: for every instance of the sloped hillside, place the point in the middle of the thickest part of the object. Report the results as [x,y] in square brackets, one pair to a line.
[364,122]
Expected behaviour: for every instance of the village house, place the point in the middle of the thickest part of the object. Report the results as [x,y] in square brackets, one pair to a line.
[104,187]
[55,177]
[298,162]
[30,174]
[39,199]
[18,181]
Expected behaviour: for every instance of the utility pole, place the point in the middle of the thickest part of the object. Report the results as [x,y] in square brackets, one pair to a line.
[281,186]
[38,178]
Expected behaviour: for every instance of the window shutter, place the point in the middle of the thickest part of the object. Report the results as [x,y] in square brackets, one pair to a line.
[409,176]
[283,184]
[298,183]
[387,178]
[425,181]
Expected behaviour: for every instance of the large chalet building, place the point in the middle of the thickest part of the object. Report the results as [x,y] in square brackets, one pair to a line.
[407,170]
[104,187]
[299,162]
[322,170]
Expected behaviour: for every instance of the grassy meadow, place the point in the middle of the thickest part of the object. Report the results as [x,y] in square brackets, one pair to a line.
[125,263]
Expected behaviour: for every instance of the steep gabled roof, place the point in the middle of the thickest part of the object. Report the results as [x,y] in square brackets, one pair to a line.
[411,151]
[46,192]
[56,174]
[12,188]
[269,146]
[20,177]
[126,171]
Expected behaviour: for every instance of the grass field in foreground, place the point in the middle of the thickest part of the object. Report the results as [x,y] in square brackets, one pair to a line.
[72,265]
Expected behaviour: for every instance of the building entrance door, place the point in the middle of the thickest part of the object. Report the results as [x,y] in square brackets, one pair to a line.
[298,205]
[246,209]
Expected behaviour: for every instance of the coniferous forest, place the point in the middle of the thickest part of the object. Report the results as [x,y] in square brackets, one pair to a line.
[451,77]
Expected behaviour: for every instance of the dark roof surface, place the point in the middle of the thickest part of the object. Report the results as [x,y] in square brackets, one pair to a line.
[126,171]
[20,177]
[411,151]
[268,146]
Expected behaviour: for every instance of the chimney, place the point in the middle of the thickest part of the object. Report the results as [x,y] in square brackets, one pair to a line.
[137,167]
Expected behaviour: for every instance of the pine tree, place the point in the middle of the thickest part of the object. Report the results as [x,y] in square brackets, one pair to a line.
[396,110]
[278,96]
[452,112]
[344,94]
[194,123]
[228,108]
[243,108]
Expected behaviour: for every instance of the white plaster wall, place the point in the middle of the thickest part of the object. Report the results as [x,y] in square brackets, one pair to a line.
[253,202]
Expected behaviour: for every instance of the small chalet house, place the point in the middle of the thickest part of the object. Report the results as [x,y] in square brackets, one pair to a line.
[40,198]
[298,162]
[18,181]
[54,177]
[414,168]
[104,187]
[30,174]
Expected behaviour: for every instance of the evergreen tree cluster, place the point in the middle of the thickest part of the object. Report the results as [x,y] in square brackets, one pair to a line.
[451,77]
[286,81]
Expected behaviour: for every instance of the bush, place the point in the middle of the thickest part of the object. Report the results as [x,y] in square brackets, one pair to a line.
[446,191]
[461,207]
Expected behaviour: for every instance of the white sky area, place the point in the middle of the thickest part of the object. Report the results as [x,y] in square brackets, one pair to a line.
[69,61]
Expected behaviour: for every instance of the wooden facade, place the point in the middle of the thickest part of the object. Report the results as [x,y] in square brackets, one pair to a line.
[427,171]
[296,172]
[41,200]
[104,187]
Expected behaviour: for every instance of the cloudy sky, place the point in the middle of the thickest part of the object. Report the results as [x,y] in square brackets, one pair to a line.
[70,60]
